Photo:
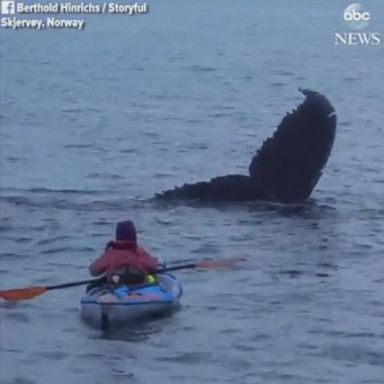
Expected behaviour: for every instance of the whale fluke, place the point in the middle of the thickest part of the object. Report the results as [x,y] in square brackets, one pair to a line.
[288,165]
[221,188]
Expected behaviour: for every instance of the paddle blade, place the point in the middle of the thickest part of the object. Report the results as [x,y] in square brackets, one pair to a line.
[22,293]
[225,263]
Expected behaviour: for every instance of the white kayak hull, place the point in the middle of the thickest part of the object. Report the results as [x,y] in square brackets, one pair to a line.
[127,305]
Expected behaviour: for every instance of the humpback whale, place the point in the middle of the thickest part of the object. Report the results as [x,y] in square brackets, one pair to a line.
[287,166]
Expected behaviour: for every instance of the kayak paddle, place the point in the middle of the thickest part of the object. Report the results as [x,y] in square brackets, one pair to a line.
[204,264]
[31,292]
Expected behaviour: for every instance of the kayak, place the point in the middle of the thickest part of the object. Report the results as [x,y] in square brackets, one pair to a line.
[104,307]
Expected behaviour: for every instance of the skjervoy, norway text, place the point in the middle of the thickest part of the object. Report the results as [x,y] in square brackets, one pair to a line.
[50,22]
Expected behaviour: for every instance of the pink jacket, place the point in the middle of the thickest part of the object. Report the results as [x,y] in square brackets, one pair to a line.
[123,254]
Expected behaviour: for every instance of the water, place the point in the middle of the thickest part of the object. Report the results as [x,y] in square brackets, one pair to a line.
[93,123]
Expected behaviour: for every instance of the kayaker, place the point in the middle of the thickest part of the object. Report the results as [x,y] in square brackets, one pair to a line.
[123,261]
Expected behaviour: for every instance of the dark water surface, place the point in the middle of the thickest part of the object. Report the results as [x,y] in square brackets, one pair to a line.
[93,123]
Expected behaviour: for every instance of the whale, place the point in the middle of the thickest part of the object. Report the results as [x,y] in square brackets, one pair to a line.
[287,166]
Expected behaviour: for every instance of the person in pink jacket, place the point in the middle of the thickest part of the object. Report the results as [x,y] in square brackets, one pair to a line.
[123,261]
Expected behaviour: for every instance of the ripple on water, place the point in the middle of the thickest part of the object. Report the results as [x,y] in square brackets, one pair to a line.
[21,317]
[52,355]
[187,357]
[22,380]
[52,239]
[354,354]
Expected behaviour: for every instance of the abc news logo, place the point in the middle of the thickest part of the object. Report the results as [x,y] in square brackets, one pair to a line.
[355,15]
[357,18]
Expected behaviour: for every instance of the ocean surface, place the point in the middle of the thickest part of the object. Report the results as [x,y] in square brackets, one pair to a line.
[95,122]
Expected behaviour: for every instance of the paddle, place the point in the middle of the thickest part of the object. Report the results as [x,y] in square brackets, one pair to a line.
[31,292]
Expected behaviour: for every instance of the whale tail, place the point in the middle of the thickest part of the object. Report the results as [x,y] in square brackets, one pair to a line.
[288,165]
[221,188]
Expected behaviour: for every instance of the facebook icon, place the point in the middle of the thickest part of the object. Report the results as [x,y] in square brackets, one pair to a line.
[7,7]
